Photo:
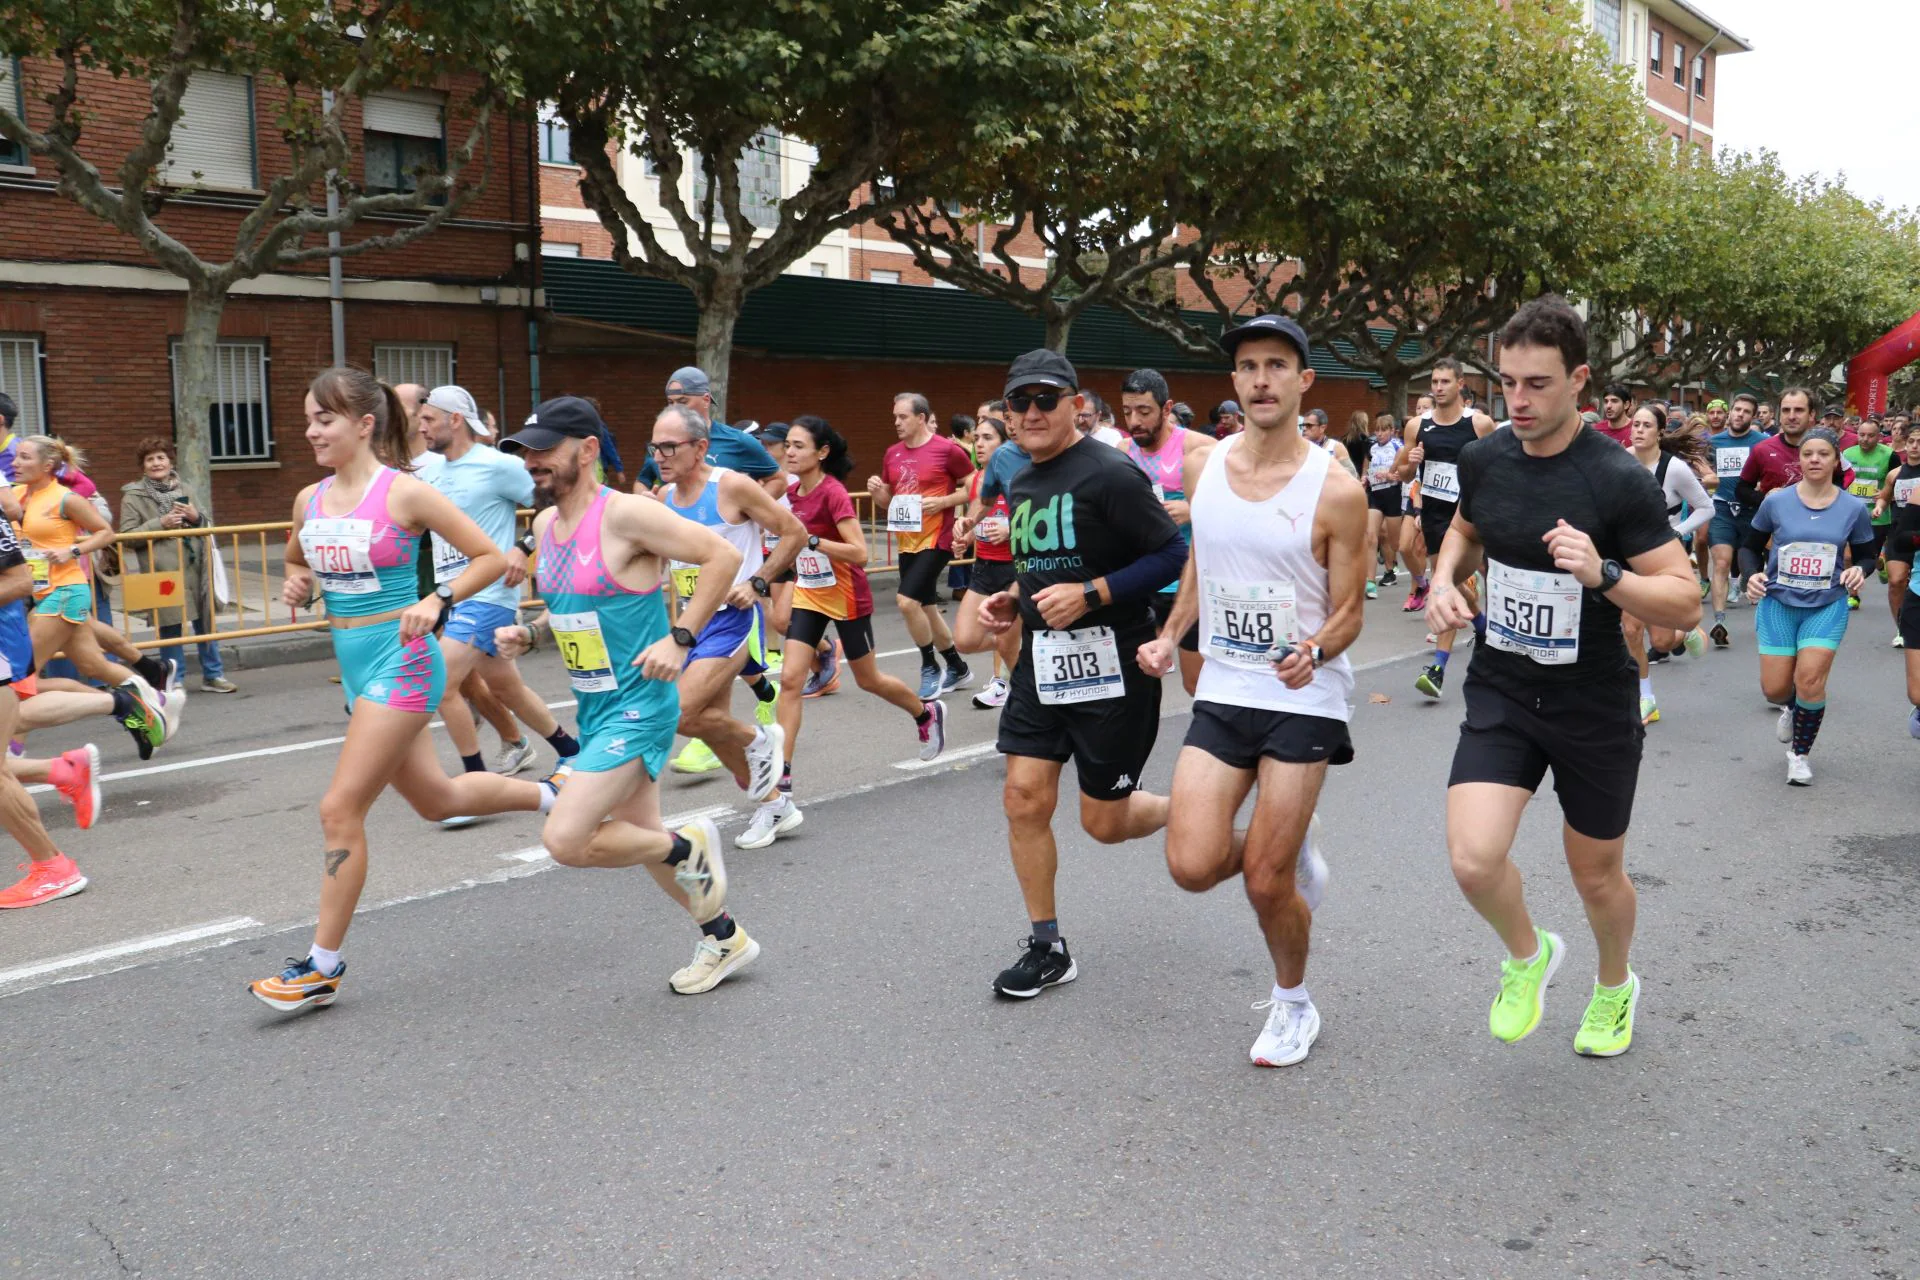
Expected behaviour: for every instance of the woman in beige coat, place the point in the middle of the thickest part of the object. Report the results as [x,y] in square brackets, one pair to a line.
[156,501]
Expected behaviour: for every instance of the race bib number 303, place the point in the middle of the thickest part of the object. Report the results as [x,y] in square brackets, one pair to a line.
[1077,666]
[1533,614]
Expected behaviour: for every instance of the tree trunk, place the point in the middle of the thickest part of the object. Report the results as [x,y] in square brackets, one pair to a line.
[1059,325]
[1397,382]
[198,376]
[713,337]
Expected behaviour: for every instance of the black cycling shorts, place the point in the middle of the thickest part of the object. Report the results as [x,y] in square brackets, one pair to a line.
[1910,622]
[1589,734]
[1436,518]
[809,627]
[990,577]
[1239,736]
[1386,501]
[920,574]
[1108,741]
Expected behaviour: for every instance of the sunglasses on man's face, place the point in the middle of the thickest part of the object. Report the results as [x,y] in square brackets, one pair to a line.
[1046,401]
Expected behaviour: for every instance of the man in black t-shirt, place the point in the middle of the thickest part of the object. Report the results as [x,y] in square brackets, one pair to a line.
[1091,544]
[1572,531]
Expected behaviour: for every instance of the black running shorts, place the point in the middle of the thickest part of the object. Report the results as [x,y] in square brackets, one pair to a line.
[1435,519]
[1910,622]
[1589,734]
[1108,741]
[1240,736]
[809,627]
[1386,501]
[991,577]
[920,574]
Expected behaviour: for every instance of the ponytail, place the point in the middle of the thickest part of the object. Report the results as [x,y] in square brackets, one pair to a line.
[57,453]
[355,393]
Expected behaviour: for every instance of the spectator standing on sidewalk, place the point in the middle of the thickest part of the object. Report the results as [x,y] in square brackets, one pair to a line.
[157,501]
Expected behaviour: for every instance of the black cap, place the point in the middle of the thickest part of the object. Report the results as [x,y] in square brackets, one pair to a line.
[1833,411]
[1269,326]
[1042,368]
[772,433]
[561,418]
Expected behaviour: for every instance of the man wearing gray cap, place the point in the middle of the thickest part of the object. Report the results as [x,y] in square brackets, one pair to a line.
[491,488]
[728,447]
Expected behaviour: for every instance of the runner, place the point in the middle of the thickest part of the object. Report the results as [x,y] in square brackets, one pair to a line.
[1553,510]
[1616,414]
[1383,503]
[779,606]
[603,556]
[832,589]
[1800,613]
[490,488]
[1280,603]
[1871,461]
[1763,419]
[918,487]
[986,526]
[1774,463]
[1090,548]
[1432,454]
[357,538]
[1732,520]
[1895,499]
[1672,457]
[1161,448]
[736,509]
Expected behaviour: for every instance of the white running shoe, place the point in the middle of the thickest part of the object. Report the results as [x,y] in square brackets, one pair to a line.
[1310,871]
[1292,1027]
[454,824]
[703,876]
[714,962]
[1899,642]
[763,762]
[513,757]
[1799,771]
[1783,727]
[993,697]
[770,821]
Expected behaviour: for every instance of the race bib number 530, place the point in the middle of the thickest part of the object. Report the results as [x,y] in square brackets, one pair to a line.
[1536,615]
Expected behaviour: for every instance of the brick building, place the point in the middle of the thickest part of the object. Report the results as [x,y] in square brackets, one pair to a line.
[1673,49]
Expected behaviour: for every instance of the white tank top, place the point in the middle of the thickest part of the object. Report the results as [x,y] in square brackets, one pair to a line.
[1259,587]
[744,537]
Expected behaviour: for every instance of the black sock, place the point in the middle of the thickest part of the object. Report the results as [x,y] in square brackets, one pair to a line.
[681,851]
[1047,931]
[564,744]
[927,656]
[474,763]
[786,778]
[763,689]
[954,661]
[926,713]
[123,704]
[720,928]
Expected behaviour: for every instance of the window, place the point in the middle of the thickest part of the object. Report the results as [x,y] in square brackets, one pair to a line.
[20,379]
[1700,76]
[884,277]
[1680,64]
[818,269]
[405,136]
[759,180]
[430,364]
[556,140]
[1656,51]
[11,94]
[1606,20]
[213,141]
[238,429]
[558,249]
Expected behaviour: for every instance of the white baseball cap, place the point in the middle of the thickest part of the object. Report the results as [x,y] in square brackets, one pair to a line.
[452,399]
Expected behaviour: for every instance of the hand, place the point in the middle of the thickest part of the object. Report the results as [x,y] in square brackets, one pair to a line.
[1296,669]
[1853,579]
[962,529]
[171,520]
[1756,588]
[189,514]
[1156,656]
[1447,609]
[516,568]
[999,612]
[1179,509]
[1573,552]
[297,589]
[1417,455]
[878,488]
[994,531]
[513,640]
[420,619]
[1062,604]
[740,595]
[1879,508]
[664,659]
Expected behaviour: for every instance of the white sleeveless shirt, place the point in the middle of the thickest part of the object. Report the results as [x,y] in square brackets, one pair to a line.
[1260,587]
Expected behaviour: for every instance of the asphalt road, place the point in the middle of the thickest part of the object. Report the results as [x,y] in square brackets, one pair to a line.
[508,1088]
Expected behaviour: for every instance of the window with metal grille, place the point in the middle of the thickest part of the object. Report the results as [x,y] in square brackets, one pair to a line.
[20,379]
[429,364]
[238,427]
[12,152]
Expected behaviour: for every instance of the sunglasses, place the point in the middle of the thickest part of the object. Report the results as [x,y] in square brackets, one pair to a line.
[1047,401]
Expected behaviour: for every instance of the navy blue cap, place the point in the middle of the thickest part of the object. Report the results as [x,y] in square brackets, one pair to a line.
[1285,328]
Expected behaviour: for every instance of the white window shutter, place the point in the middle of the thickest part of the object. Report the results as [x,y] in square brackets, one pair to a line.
[213,144]
[409,113]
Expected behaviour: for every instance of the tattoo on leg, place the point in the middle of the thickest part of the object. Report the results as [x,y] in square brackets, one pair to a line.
[335,858]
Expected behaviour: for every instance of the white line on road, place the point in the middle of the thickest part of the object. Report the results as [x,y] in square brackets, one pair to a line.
[973,752]
[131,947]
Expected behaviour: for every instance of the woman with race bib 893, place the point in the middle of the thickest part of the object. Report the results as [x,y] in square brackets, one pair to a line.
[356,540]
[1801,595]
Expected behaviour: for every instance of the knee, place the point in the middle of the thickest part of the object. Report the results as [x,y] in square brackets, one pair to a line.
[1188,863]
[1602,881]
[1476,870]
[566,844]
[1104,820]
[1027,805]
[339,817]
[1268,883]
[867,676]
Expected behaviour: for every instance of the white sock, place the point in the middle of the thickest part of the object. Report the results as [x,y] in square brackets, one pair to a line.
[327,962]
[1646,687]
[1292,995]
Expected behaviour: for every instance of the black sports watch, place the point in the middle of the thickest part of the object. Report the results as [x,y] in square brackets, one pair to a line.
[1316,656]
[760,587]
[682,637]
[1091,593]
[444,592]
[1611,571]
[526,544]
[813,542]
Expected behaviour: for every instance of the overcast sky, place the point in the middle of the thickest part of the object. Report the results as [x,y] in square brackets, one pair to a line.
[1825,87]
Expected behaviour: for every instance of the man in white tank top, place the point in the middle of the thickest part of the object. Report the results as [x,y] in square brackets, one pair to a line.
[1277,580]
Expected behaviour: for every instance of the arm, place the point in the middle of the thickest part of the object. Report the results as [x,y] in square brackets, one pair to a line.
[296,592]
[87,516]
[1406,463]
[534,626]
[418,503]
[649,528]
[757,505]
[1459,559]
[1156,656]
[16,583]
[131,521]
[1192,464]
[1694,494]
[1659,587]
[1340,535]
[959,467]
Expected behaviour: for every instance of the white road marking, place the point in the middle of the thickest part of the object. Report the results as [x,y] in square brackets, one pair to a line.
[131,947]
[973,752]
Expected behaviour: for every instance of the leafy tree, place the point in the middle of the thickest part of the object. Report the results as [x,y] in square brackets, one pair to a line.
[887,94]
[320,57]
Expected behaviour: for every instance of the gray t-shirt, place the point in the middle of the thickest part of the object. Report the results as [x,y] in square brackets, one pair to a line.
[1804,562]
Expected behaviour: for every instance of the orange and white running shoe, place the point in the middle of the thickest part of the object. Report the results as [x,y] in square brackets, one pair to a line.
[57,877]
[299,985]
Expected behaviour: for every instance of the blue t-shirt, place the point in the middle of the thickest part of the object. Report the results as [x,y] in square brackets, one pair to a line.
[726,447]
[1729,455]
[1804,562]
[491,487]
[1008,461]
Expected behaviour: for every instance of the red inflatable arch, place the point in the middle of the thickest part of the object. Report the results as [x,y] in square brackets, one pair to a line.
[1867,373]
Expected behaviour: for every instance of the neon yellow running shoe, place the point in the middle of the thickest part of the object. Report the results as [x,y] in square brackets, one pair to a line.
[1523,987]
[1607,1029]
[695,757]
[765,713]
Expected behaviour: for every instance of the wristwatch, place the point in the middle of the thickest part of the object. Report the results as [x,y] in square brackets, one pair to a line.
[445,594]
[526,544]
[1091,593]
[1611,571]
[682,637]
[1316,656]
[813,542]
[760,587]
